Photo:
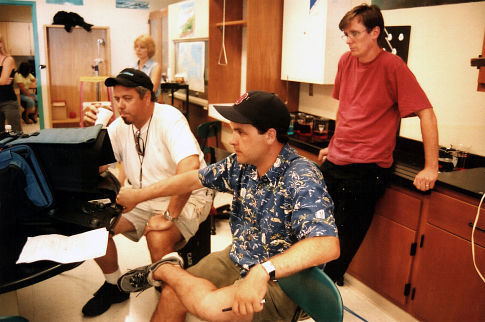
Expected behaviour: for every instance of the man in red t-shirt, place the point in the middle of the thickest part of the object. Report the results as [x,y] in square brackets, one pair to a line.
[375,89]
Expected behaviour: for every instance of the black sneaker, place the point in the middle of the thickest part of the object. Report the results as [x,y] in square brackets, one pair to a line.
[103,298]
[140,279]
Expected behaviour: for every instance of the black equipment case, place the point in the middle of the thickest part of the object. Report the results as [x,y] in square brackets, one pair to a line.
[50,184]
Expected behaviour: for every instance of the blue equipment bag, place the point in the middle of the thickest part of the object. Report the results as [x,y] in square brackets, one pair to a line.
[23,159]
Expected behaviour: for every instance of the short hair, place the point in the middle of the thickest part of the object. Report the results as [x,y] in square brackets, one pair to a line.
[369,15]
[148,42]
[24,69]
[142,91]
[281,134]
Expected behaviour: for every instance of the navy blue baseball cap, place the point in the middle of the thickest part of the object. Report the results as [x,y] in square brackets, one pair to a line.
[258,108]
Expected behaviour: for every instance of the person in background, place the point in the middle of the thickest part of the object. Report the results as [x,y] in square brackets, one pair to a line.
[281,223]
[154,142]
[375,90]
[9,107]
[145,49]
[25,80]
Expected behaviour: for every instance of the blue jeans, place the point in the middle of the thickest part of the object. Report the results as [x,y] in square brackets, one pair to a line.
[27,101]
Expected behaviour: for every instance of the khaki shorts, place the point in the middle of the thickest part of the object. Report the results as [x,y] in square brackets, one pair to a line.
[194,212]
[218,268]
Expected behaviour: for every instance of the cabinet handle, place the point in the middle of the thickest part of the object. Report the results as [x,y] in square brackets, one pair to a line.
[477,228]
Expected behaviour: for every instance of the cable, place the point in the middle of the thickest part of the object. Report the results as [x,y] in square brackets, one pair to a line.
[387,40]
[473,240]
[223,48]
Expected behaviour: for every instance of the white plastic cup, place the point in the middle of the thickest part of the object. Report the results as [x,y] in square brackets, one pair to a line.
[103,116]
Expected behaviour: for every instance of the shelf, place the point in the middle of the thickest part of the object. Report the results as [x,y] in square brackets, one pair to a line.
[235,23]
[93,79]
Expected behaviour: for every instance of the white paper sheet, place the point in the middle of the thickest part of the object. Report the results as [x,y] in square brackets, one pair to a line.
[65,249]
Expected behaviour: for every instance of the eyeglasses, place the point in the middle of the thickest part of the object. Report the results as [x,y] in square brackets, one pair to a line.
[352,35]
[139,144]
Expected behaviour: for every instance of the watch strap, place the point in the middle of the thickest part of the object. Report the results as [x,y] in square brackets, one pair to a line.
[270,269]
[166,215]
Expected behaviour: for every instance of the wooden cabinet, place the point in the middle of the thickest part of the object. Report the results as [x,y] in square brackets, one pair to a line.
[252,40]
[71,55]
[446,285]
[19,37]
[417,253]
[311,40]
[385,257]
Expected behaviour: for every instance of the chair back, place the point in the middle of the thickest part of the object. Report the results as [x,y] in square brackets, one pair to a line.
[315,293]
[205,131]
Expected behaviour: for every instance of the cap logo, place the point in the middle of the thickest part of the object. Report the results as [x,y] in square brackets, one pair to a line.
[241,99]
[127,73]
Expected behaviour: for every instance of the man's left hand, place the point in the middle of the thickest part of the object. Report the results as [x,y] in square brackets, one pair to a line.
[426,179]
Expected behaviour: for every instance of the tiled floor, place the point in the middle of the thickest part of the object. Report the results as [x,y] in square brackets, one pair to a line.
[29,128]
[61,298]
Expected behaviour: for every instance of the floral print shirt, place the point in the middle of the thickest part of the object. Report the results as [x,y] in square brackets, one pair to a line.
[272,212]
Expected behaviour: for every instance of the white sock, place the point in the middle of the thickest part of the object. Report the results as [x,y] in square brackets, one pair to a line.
[112,278]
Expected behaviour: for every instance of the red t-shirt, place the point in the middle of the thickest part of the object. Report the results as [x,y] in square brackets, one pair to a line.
[373,97]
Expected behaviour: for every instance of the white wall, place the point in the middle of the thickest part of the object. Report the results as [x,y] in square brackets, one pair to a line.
[443,40]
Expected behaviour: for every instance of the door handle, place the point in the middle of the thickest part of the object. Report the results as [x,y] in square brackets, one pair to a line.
[477,228]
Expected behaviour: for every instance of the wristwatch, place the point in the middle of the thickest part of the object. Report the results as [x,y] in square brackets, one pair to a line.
[270,269]
[166,215]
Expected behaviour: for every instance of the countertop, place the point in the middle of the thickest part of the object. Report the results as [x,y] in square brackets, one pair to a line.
[469,181]
[409,161]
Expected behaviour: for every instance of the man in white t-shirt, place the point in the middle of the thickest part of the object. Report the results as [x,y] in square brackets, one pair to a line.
[153,142]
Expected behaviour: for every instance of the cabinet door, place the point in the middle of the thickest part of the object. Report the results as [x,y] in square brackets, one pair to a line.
[383,261]
[311,40]
[20,38]
[447,287]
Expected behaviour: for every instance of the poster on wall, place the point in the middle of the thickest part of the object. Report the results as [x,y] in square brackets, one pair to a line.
[186,19]
[191,62]
[395,4]
[75,2]
[132,4]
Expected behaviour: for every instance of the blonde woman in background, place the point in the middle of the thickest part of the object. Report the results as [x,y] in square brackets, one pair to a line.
[144,47]
[9,107]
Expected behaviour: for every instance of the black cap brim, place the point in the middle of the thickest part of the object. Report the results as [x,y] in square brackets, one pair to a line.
[112,81]
[230,113]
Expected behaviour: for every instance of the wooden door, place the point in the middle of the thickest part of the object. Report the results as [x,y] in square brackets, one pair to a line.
[481,73]
[70,56]
[158,21]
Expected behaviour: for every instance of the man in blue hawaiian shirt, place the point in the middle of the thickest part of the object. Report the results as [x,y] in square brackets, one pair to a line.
[281,221]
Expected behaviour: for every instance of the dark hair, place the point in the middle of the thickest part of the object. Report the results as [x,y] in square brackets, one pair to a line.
[281,134]
[24,69]
[369,15]
[142,90]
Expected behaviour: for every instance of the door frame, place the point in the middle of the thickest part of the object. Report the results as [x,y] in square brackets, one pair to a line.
[33,11]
